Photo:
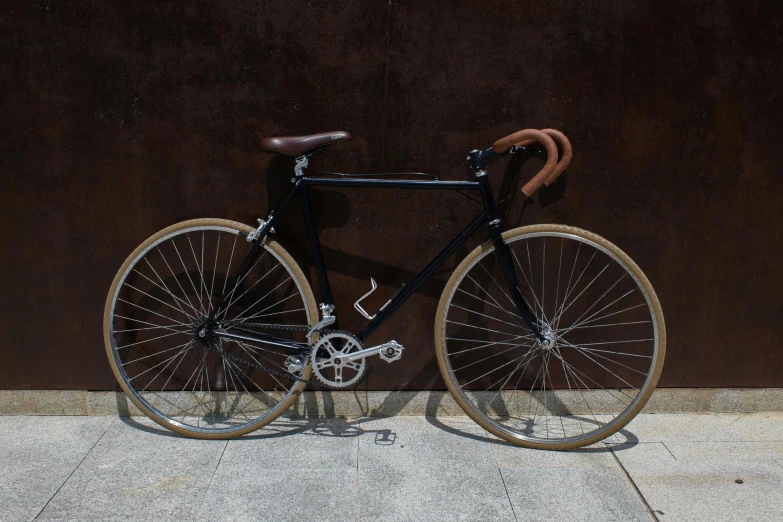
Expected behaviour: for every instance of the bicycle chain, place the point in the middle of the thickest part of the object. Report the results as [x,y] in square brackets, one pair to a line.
[260,366]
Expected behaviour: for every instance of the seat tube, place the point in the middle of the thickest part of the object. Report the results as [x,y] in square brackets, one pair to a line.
[504,255]
[315,244]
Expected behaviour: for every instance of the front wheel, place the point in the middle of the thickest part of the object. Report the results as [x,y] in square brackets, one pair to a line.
[604,332]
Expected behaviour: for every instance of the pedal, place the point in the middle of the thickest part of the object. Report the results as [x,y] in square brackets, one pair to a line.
[391,351]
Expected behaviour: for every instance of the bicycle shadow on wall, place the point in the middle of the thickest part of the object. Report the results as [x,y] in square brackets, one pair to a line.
[332,209]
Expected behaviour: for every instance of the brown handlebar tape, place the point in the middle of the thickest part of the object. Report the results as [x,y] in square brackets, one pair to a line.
[566,153]
[522,136]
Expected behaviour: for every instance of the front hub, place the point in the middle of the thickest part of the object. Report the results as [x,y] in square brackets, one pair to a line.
[550,340]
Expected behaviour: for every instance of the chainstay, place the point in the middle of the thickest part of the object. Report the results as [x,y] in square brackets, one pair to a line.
[290,328]
[287,375]
[260,366]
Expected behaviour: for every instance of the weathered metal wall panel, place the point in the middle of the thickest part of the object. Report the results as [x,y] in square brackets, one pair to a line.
[120,119]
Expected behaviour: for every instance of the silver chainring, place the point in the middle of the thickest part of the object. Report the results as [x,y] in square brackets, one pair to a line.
[332,370]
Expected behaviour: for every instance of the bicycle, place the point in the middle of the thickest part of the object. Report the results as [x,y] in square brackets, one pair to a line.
[212,329]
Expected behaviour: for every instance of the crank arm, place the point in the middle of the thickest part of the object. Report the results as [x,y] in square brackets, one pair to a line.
[390,351]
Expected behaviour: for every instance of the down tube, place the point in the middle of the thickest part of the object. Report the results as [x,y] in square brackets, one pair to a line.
[406,292]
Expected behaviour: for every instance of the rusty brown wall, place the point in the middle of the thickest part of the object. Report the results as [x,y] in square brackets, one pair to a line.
[118,120]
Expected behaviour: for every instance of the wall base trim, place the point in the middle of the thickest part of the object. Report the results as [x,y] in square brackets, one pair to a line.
[360,403]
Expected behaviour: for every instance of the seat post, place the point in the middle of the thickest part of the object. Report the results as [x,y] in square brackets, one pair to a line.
[301,164]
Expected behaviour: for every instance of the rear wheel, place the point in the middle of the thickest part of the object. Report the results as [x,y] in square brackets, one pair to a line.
[604,338]
[156,310]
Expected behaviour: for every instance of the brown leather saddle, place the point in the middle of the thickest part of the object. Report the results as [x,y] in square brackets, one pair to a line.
[297,145]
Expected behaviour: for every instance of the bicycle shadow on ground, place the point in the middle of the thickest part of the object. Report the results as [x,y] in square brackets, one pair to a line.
[339,426]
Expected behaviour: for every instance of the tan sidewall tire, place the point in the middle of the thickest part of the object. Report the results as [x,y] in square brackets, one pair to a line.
[444,365]
[274,246]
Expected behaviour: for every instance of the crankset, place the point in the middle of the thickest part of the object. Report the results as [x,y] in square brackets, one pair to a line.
[339,358]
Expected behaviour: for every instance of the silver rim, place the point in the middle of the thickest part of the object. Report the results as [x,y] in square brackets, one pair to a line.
[159,301]
[601,349]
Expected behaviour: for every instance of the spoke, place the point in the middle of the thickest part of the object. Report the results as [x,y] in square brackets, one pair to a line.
[209,387]
[544,375]
[483,345]
[605,316]
[238,317]
[228,268]
[543,272]
[176,278]
[617,353]
[499,288]
[214,271]
[496,305]
[532,387]
[249,377]
[150,311]
[153,325]
[455,370]
[202,284]
[587,355]
[490,304]
[484,315]
[576,283]
[532,288]
[165,287]
[153,367]
[609,342]
[479,327]
[585,321]
[576,377]
[148,328]
[557,319]
[609,324]
[500,388]
[277,313]
[176,309]
[156,353]
[148,340]
[559,266]
[244,347]
[575,371]
[187,272]
[231,298]
[499,367]
[230,373]
[163,388]
[602,296]
[607,358]
[536,304]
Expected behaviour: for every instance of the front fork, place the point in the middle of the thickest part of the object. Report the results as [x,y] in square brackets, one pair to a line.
[504,256]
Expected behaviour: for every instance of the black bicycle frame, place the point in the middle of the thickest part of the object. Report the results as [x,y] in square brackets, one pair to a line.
[301,185]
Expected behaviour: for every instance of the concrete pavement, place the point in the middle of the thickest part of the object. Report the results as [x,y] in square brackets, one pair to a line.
[662,466]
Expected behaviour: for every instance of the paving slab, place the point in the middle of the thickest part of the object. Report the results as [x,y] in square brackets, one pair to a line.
[708,427]
[39,454]
[697,480]
[695,427]
[755,427]
[585,484]
[422,472]
[291,470]
[138,471]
